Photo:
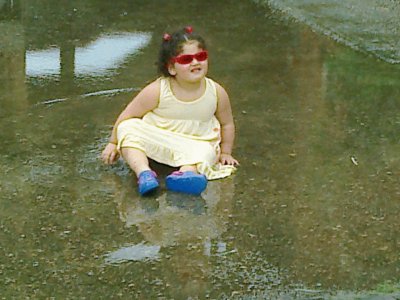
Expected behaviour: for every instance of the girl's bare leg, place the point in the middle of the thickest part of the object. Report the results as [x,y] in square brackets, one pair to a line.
[186,168]
[136,159]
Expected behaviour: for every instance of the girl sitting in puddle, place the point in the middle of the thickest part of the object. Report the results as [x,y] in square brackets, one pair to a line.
[183,119]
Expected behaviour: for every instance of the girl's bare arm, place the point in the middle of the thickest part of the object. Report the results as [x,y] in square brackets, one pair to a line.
[145,101]
[225,118]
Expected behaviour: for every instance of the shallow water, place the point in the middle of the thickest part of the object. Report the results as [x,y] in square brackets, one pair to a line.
[312,209]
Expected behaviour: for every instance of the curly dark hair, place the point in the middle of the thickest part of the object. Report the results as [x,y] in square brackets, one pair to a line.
[172,45]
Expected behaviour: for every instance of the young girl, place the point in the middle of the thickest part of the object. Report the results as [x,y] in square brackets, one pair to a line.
[183,119]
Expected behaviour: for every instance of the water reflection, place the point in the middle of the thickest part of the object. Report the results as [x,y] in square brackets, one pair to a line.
[108,52]
[43,62]
[183,233]
[174,218]
[104,55]
[133,253]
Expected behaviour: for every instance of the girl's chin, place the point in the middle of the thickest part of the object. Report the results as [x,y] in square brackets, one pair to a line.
[192,79]
[197,75]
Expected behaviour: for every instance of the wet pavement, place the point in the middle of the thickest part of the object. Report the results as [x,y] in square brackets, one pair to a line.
[370,26]
[311,213]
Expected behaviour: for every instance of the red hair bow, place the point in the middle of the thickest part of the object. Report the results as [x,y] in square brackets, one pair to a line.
[166,37]
[189,29]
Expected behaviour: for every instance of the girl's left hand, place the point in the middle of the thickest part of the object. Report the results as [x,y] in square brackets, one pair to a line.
[227,159]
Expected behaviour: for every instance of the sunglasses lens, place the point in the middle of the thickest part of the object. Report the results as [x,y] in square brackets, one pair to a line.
[184,59]
[201,56]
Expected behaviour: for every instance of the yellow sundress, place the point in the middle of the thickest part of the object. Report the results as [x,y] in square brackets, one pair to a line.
[178,133]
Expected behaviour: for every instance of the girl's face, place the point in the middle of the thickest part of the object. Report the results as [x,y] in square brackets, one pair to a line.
[191,72]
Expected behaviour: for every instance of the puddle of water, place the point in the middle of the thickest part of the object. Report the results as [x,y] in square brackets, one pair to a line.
[43,63]
[311,212]
[100,57]
[108,52]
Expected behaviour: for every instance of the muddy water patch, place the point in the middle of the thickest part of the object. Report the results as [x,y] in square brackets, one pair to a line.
[89,165]
[44,171]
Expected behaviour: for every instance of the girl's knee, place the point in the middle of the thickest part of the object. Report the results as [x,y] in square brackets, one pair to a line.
[128,124]
[128,128]
[207,153]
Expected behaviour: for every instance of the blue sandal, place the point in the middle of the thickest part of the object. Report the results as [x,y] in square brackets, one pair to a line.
[147,182]
[186,182]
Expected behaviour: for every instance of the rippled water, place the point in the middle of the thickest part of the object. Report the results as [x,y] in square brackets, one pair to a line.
[311,212]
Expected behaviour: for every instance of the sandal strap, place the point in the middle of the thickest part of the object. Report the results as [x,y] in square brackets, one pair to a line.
[177,173]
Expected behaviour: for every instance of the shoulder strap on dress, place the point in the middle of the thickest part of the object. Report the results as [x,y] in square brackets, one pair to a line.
[211,84]
[164,87]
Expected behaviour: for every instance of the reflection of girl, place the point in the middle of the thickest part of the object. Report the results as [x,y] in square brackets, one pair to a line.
[183,119]
[178,219]
[184,231]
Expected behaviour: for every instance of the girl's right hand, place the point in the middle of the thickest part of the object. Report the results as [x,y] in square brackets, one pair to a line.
[227,159]
[110,154]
